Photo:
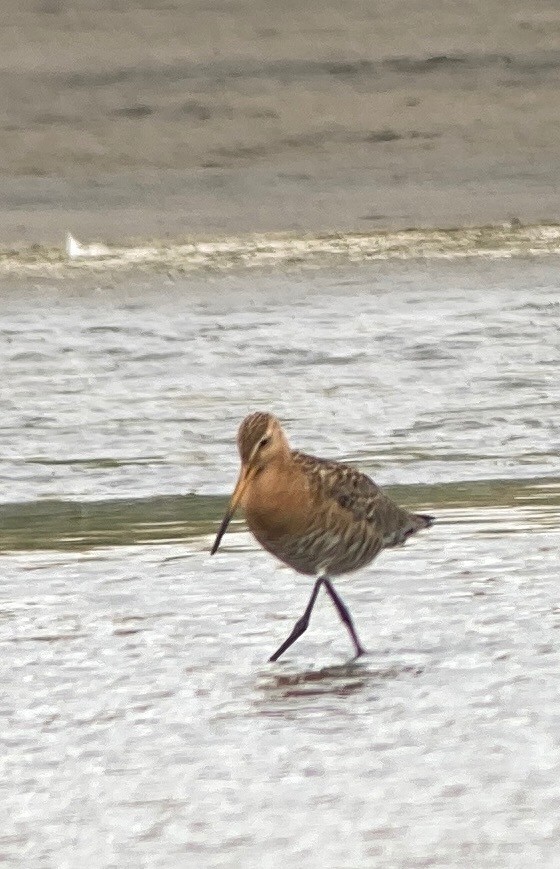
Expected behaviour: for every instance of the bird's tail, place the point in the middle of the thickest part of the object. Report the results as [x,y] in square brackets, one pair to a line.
[424,521]
[412,522]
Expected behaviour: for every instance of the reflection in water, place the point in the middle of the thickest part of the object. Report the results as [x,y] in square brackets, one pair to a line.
[340,680]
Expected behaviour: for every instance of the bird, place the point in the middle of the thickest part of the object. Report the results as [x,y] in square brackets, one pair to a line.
[321,517]
[76,250]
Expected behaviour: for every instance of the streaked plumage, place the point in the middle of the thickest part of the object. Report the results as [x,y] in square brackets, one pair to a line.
[321,517]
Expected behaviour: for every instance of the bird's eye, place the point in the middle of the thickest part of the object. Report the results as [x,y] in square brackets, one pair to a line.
[264,441]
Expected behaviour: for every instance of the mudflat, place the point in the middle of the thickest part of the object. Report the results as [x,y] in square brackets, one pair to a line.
[124,120]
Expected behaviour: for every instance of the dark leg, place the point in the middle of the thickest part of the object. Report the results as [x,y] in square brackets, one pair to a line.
[344,615]
[301,625]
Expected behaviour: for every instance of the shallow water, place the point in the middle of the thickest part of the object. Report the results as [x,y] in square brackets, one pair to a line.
[141,724]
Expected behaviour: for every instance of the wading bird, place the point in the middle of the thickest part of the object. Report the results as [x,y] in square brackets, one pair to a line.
[321,517]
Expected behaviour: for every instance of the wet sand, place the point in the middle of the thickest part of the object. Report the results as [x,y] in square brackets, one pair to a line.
[123,120]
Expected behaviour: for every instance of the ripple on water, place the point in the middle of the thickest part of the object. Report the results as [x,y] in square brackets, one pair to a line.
[349,362]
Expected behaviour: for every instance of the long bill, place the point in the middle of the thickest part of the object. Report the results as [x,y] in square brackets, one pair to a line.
[236,497]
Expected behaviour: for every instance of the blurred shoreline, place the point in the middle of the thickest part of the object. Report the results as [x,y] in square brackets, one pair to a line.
[125,120]
[281,251]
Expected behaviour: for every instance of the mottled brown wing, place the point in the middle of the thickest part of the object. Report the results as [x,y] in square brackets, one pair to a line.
[342,483]
[356,492]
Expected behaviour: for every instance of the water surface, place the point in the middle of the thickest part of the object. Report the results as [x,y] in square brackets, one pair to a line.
[142,725]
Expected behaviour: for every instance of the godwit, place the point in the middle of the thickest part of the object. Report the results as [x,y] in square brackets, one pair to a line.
[321,517]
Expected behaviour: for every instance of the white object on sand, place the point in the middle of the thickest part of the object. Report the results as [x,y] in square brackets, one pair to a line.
[74,249]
